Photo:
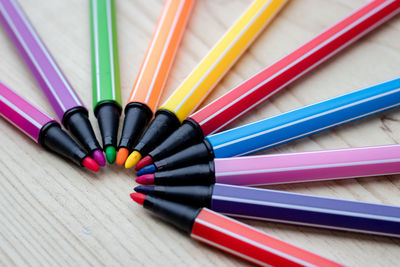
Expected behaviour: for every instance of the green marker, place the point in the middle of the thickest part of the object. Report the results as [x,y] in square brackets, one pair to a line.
[105,73]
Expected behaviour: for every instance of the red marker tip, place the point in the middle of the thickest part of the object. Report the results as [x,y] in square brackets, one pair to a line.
[138,198]
[90,164]
[146,179]
[144,162]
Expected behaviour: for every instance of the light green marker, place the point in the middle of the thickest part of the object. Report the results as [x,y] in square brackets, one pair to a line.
[105,73]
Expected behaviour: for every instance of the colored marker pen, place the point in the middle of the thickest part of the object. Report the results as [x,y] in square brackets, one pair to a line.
[200,82]
[292,125]
[105,73]
[230,235]
[278,206]
[66,103]
[254,91]
[153,73]
[41,128]
[280,168]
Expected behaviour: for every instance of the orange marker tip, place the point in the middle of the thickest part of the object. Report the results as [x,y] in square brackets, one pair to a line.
[122,155]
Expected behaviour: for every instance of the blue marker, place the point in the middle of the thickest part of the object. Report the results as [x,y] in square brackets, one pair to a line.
[289,126]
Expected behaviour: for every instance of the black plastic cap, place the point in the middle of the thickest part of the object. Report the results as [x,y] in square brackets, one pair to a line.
[200,174]
[188,134]
[107,114]
[164,123]
[196,154]
[193,195]
[53,138]
[137,116]
[182,216]
[77,122]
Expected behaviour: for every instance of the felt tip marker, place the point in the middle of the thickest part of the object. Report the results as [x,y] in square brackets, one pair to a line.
[64,100]
[280,168]
[278,206]
[200,82]
[229,235]
[153,73]
[257,89]
[41,128]
[105,73]
[292,125]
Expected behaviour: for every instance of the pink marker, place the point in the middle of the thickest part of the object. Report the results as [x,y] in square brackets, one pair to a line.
[41,128]
[285,168]
[59,92]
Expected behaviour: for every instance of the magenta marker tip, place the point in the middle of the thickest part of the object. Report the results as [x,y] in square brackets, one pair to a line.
[98,156]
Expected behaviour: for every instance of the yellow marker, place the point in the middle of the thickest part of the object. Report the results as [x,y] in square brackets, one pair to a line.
[133,158]
[193,90]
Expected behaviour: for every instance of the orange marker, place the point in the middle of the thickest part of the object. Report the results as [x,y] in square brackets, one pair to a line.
[153,73]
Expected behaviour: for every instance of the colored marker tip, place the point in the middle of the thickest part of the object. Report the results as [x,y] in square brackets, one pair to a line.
[144,162]
[98,156]
[133,158]
[90,164]
[122,155]
[110,154]
[144,189]
[146,170]
[146,179]
[138,198]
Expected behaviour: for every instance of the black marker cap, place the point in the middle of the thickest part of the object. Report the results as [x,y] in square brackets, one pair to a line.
[193,195]
[188,134]
[137,116]
[196,154]
[200,174]
[163,124]
[107,114]
[182,216]
[77,122]
[53,138]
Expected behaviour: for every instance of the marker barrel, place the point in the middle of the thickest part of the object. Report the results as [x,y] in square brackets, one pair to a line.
[308,166]
[302,122]
[254,91]
[38,126]
[161,52]
[105,70]
[42,65]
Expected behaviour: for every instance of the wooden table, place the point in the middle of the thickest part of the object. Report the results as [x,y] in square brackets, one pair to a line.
[53,213]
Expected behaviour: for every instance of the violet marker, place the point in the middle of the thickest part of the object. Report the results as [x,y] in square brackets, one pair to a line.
[281,168]
[66,103]
[41,128]
[278,206]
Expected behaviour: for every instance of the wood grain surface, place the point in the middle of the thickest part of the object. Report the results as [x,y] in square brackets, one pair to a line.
[53,213]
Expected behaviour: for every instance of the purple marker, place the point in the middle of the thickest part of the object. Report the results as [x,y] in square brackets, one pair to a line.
[61,95]
[278,206]
[41,128]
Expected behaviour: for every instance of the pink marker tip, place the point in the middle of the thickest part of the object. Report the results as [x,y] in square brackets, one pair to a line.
[98,156]
[90,164]
[146,179]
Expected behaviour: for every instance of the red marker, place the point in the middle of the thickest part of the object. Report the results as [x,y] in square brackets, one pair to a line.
[274,78]
[230,235]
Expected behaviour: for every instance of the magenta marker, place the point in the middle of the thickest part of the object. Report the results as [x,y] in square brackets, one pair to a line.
[61,95]
[283,168]
[41,128]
